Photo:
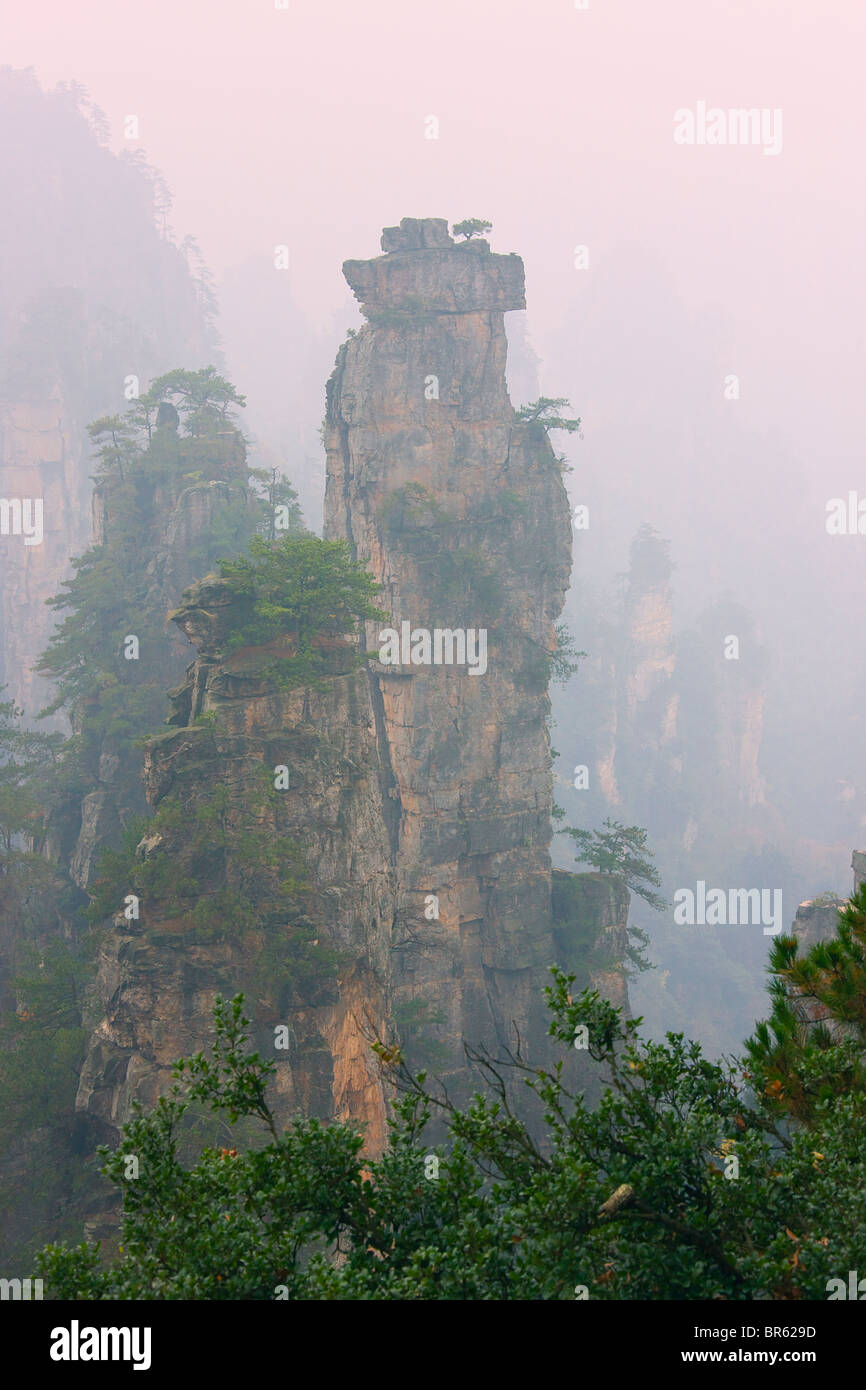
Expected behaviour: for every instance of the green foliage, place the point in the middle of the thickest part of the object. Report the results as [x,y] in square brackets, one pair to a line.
[280,502]
[564,663]
[810,1052]
[295,968]
[827,899]
[410,508]
[636,960]
[41,987]
[203,400]
[42,1040]
[472,226]
[462,581]
[42,1045]
[679,1184]
[106,601]
[305,589]
[512,504]
[622,851]
[216,873]
[541,412]
[113,876]
[143,467]
[649,558]
[27,762]
[206,836]
[543,666]
[140,468]
[580,945]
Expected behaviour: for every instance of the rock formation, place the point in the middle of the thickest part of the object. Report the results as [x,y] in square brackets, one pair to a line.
[159,977]
[460,512]
[419,796]
[183,520]
[590,913]
[88,314]
[42,456]
[817,919]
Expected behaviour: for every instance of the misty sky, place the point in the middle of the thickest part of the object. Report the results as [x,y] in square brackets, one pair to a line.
[306,126]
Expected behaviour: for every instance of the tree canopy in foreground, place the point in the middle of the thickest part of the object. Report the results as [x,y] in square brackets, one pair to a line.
[690,1179]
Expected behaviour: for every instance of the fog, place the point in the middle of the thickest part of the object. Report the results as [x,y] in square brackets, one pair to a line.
[700,305]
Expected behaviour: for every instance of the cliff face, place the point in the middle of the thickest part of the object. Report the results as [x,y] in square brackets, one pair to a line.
[416,817]
[460,512]
[671,729]
[645,756]
[817,919]
[590,913]
[42,456]
[79,325]
[158,977]
[185,519]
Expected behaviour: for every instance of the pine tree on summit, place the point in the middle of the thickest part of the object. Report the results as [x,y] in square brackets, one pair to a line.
[472,226]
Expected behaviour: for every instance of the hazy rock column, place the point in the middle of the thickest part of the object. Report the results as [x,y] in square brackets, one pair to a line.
[153,997]
[41,461]
[460,512]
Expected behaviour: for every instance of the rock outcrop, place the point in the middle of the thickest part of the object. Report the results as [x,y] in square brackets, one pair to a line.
[590,913]
[158,976]
[459,510]
[42,458]
[87,316]
[417,810]
[816,920]
[187,519]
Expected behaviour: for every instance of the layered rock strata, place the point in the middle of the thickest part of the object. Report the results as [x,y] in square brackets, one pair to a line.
[460,512]
[419,793]
[158,978]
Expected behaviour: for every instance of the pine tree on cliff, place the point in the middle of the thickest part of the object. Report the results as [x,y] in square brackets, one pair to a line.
[544,412]
[621,851]
[812,1051]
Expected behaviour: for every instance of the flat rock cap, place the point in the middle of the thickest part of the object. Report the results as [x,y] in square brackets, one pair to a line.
[416,234]
[424,269]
